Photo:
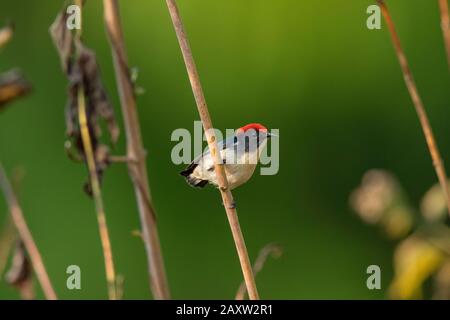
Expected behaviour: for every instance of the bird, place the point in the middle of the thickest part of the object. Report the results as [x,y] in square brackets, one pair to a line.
[240,154]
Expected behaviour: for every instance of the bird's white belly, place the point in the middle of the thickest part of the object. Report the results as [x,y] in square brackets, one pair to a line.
[237,173]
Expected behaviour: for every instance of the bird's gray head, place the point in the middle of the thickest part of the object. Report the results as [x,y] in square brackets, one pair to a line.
[254,135]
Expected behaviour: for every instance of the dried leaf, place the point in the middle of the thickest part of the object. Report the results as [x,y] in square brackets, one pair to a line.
[12,86]
[20,274]
[63,40]
[95,92]
[81,68]
[20,269]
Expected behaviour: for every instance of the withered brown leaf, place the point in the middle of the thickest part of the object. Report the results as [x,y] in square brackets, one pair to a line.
[81,68]
[12,86]
[20,274]
[63,40]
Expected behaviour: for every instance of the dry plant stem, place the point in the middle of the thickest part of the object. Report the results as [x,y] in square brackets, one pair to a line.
[135,151]
[119,159]
[227,197]
[119,286]
[418,104]
[27,238]
[445,25]
[264,253]
[97,194]
[27,291]
[96,190]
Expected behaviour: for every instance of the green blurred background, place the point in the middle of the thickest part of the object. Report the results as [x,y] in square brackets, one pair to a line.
[310,68]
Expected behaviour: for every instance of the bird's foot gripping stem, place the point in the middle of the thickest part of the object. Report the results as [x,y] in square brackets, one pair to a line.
[232,205]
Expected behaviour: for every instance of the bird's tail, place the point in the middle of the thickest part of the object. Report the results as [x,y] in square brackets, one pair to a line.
[190,179]
[196,182]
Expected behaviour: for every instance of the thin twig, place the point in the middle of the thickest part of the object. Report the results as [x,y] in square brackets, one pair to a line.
[135,150]
[202,107]
[418,104]
[27,238]
[119,159]
[96,190]
[445,25]
[97,194]
[119,286]
[269,250]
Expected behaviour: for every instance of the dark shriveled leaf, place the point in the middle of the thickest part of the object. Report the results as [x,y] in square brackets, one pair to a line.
[63,40]
[20,269]
[98,101]
[20,274]
[12,86]
[81,68]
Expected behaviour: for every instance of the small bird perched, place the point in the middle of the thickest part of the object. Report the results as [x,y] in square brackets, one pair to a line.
[240,154]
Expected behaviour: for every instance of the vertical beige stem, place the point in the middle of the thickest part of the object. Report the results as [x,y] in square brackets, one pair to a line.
[95,185]
[202,107]
[97,194]
[136,153]
[445,25]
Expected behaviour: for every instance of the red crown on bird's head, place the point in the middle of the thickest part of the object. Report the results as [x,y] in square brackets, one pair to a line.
[255,126]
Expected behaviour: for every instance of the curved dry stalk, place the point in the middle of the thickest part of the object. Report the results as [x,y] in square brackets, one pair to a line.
[269,250]
[97,194]
[7,237]
[136,153]
[418,104]
[27,238]
[202,107]
[445,25]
